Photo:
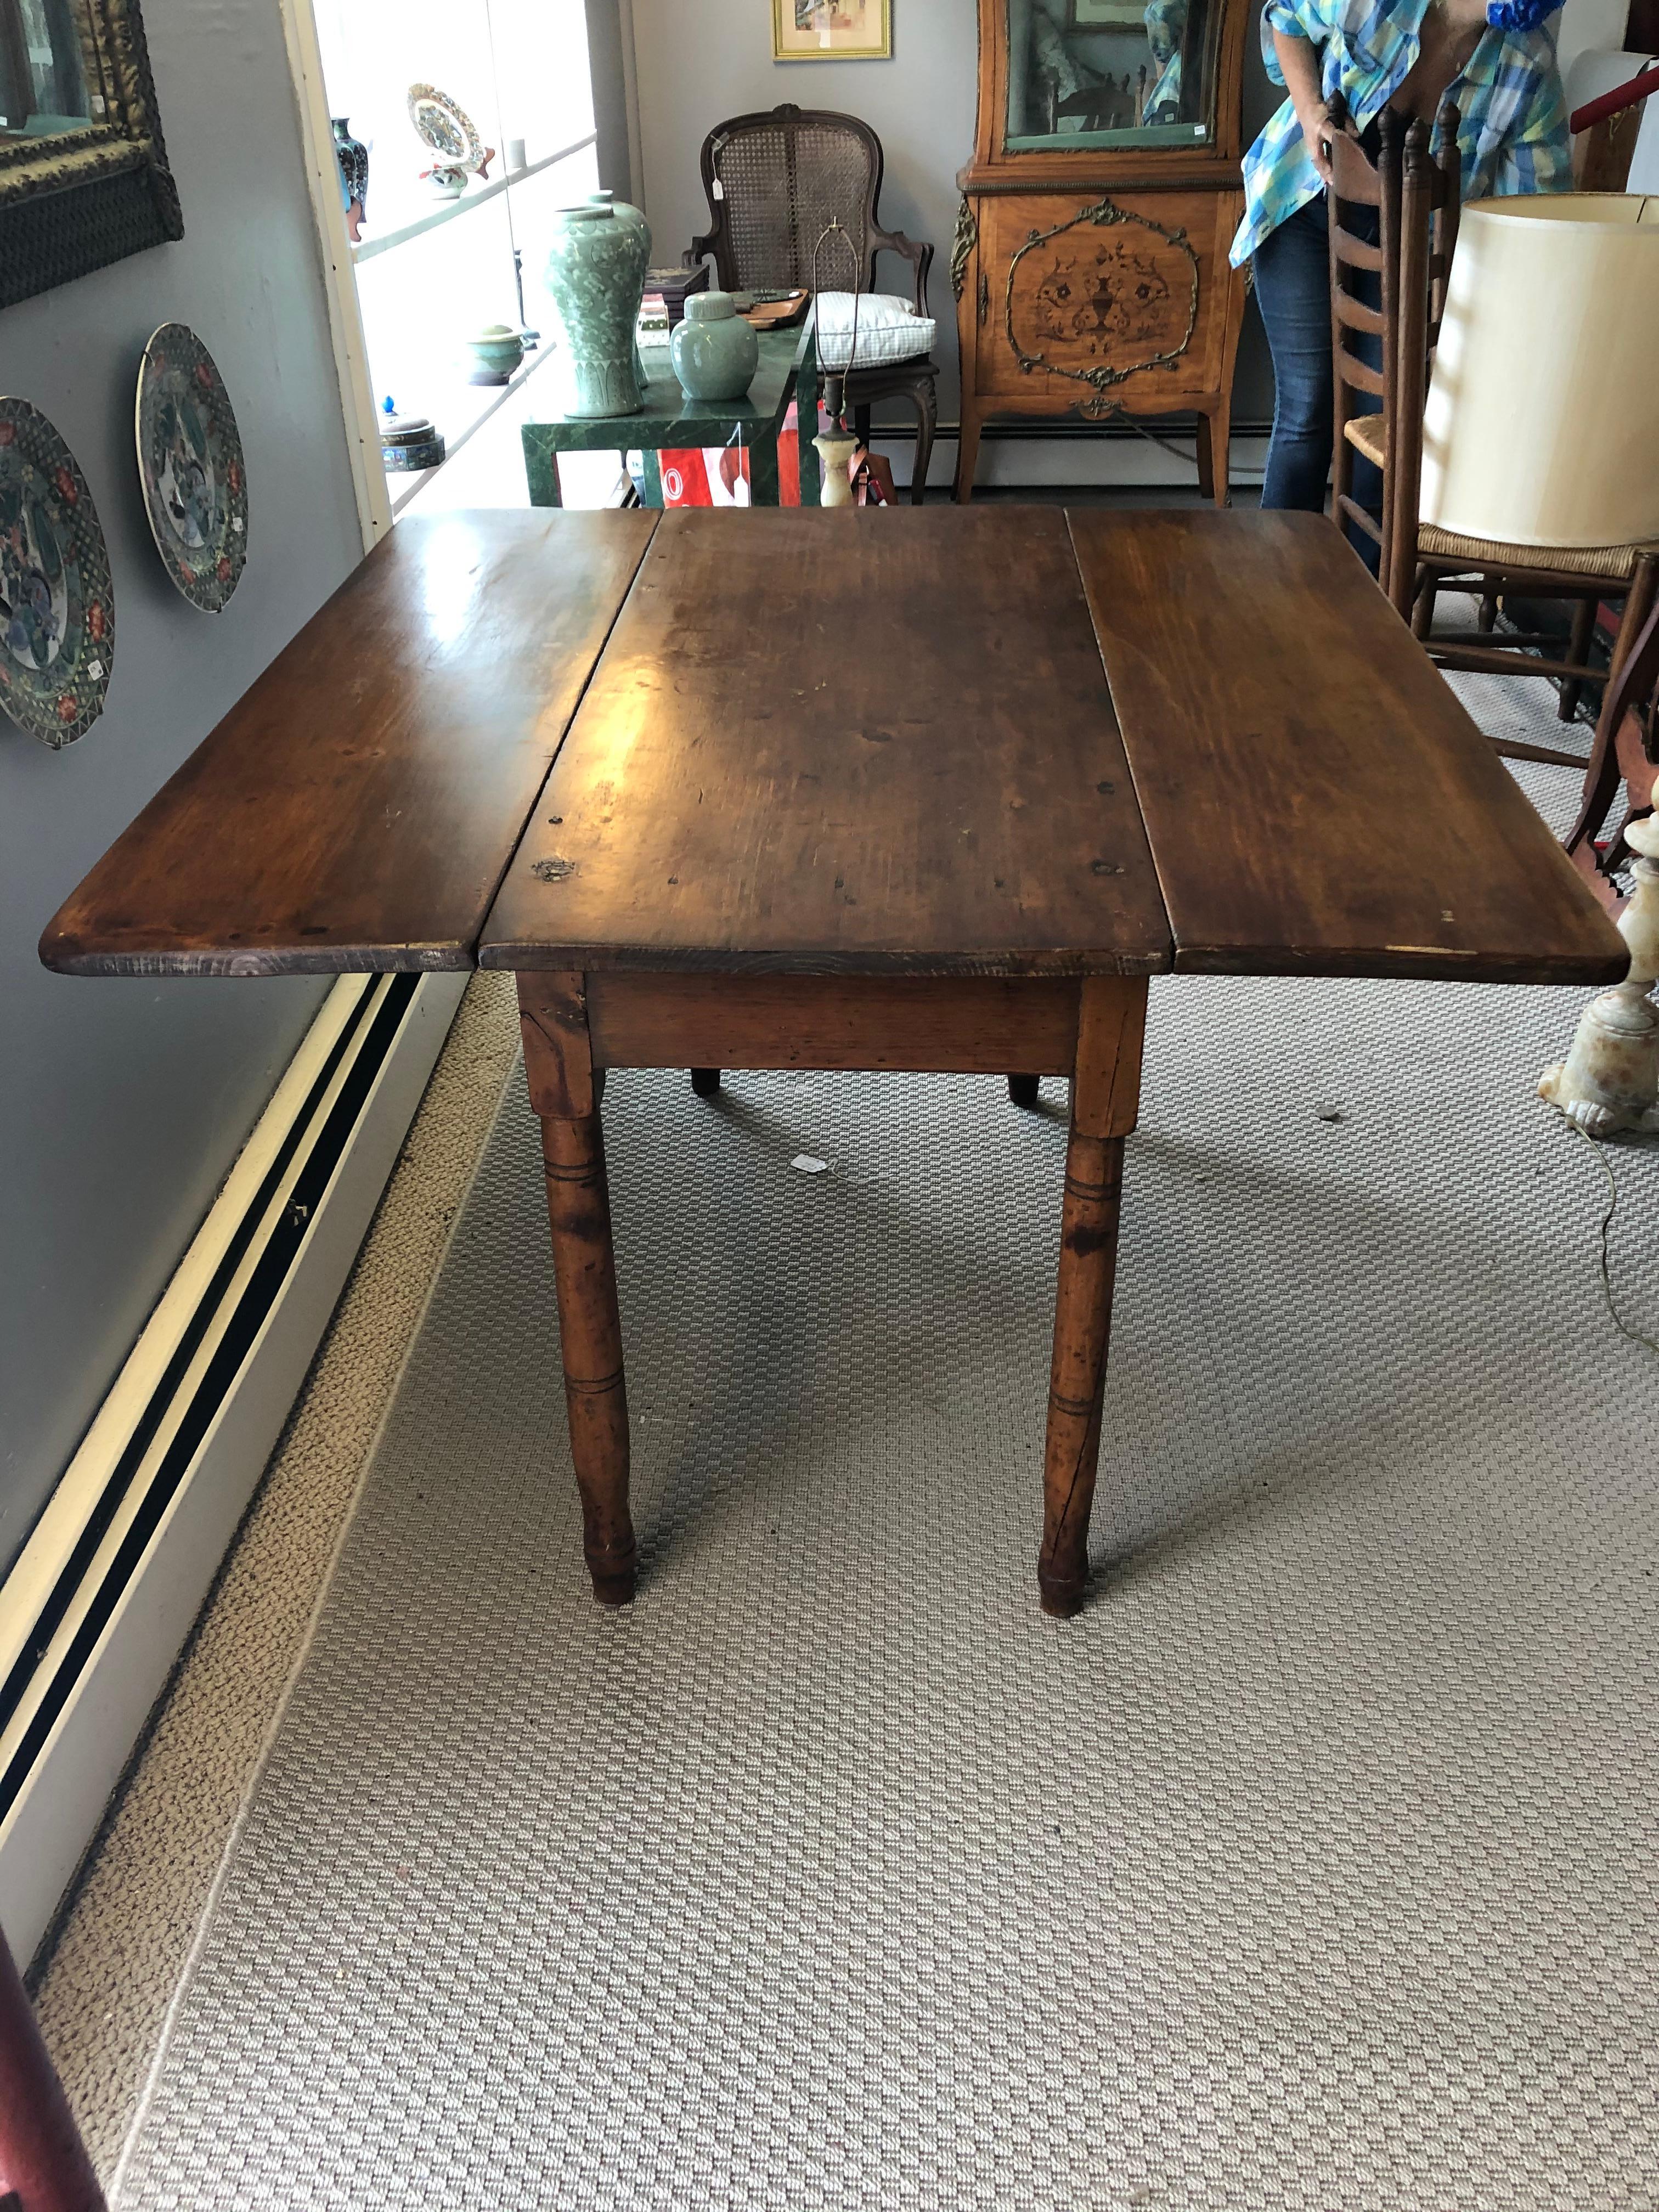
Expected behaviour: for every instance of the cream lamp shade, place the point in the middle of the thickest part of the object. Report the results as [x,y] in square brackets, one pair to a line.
[1542,425]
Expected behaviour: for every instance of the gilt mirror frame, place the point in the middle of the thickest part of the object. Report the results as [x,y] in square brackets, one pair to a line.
[78,200]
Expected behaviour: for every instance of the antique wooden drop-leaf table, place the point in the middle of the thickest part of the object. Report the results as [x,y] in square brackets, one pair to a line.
[931,789]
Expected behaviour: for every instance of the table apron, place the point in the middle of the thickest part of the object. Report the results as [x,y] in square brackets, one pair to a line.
[916,1024]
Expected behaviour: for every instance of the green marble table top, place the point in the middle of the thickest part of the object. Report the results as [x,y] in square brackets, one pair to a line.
[668,418]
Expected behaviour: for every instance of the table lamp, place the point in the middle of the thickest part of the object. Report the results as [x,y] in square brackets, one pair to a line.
[1542,424]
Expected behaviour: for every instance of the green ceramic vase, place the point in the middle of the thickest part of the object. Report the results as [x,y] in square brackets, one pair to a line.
[715,352]
[596,275]
[493,354]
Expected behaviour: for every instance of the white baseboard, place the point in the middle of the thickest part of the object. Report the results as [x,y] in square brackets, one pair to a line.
[68,1782]
[1131,462]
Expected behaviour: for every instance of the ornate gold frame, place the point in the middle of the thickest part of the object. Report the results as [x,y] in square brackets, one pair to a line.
[76,202]
[881,52]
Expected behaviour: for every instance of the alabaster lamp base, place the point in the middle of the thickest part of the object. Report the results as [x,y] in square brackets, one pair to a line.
[1610,1079]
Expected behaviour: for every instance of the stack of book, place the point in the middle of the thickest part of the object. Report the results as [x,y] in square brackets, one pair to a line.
[666,291]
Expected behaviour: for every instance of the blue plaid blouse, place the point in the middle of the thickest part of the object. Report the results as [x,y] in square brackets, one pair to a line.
[1512,137]
[1166,21]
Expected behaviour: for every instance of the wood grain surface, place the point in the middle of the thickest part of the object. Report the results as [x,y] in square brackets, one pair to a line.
[938,1025]
[852,743]
[357,809]
[1317,800]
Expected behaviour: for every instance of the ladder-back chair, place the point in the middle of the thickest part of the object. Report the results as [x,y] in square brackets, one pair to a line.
[1626,748]
[1362,226]
[1417,200]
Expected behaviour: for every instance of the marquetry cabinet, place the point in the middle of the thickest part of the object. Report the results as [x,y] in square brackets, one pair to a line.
[1089,266]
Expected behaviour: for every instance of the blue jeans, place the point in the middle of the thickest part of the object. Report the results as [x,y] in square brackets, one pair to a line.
[1294,291]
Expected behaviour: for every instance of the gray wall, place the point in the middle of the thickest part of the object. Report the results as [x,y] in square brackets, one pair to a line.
[921,103]
[122,1104]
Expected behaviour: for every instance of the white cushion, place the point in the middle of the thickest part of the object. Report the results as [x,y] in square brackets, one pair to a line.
[889,329]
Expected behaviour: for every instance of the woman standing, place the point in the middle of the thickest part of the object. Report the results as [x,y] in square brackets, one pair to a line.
[1493,58]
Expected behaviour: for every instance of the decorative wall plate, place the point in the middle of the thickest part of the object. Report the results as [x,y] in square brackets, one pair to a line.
[57,617]
[447,128]
[189,462]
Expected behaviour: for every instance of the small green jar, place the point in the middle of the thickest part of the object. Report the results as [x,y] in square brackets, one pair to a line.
[715,353]
[493,354]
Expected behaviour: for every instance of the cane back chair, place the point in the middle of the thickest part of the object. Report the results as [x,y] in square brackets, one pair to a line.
[774,181]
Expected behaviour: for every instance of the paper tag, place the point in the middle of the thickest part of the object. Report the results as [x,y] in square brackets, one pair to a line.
[96,670]
[236,523]
[720,189]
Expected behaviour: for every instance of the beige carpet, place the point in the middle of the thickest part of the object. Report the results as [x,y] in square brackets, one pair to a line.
[1311,1867]
[121,1948]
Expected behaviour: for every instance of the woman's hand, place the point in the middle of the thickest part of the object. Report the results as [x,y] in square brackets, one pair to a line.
[1298,65]
[1319,126]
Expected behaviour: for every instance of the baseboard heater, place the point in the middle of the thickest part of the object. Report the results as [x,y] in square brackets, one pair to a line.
[106,1590]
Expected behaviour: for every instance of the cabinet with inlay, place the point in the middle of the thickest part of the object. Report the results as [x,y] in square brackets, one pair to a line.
[1090,265]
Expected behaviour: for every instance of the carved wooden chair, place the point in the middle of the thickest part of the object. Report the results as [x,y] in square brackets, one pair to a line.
[1627,749]
[774,180]
[1362,208]
[1411,202]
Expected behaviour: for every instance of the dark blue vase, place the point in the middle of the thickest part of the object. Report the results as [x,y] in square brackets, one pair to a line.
[353,157]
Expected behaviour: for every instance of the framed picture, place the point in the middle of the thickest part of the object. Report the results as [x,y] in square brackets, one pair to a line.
[832,30]
[83,172]
[1105,15]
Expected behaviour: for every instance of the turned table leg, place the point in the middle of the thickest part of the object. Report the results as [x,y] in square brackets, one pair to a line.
[1105,1092]
[558,1064]
[44,2167]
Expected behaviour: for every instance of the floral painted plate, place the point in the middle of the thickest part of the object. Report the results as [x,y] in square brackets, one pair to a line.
[190,461]
[448,130]
[57,617]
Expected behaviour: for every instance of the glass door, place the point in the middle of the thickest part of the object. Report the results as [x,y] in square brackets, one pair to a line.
[1121,73]
[477,118]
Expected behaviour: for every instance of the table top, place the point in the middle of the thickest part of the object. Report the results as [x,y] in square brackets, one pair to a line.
[816,745]
[668,418]
[1318,800]
[847,742]
[356,809]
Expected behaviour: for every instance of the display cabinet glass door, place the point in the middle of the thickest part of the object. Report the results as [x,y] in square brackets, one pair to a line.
[1123,73]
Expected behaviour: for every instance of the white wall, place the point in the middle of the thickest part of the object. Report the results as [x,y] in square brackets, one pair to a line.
[122,1103]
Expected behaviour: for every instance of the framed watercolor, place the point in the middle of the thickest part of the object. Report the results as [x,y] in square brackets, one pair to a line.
[832,30]
[1105,15]
[191,465]
[57,614]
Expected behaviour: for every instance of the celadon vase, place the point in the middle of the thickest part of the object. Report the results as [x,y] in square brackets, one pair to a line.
[595,277]
[715,352]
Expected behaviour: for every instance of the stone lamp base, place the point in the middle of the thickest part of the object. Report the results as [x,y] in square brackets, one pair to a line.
[1610,1079]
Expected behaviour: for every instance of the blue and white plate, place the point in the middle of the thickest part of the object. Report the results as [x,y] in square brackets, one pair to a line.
[57,614]
[190,465]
